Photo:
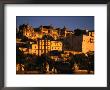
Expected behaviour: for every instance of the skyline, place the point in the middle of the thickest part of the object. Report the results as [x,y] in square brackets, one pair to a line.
[70,22]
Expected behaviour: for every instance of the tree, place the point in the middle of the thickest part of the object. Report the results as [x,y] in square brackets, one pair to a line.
[19,57]
[48,37]
[24,39]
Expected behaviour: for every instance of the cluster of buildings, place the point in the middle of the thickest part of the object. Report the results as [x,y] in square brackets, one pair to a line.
[47,38]
[35,33]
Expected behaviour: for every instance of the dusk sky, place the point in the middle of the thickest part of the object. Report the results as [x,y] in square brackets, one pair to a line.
[71,22]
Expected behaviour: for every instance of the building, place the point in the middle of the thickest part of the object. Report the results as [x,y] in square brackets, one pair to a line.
[63,32]
[31,32]
[35,33]
[56,45]
[88,42]
[28,31]
[45,29]
[68,33]
[41,47]
[49,30]
[44,46]
[79,43]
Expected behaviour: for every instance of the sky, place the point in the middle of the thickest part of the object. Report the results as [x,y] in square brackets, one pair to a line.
[70,22]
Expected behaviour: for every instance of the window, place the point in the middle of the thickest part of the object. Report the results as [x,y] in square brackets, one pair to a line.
[42,51]
[91,40]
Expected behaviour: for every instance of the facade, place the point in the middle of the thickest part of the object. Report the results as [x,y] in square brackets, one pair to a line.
[63,32]
[56,45]
[88,42]
[45,29]
[41,47]
[49,30]
[68,33]
[55,34]
[81,43]
[28,31]
[34,34]
[45,46]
